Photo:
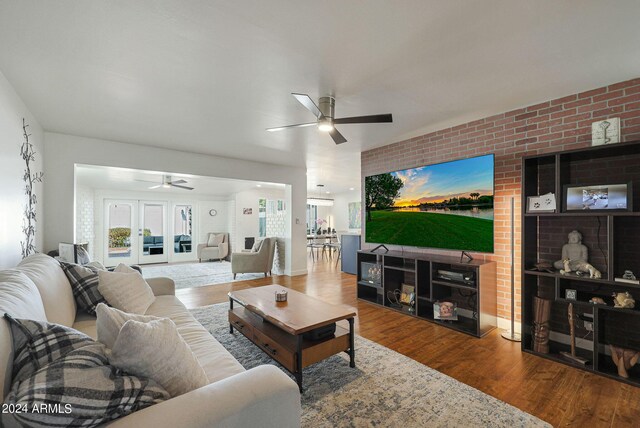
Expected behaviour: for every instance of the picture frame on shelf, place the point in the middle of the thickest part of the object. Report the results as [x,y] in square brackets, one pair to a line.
[445,311]
[598,198]
[570,294]
[407,293]
[542,204]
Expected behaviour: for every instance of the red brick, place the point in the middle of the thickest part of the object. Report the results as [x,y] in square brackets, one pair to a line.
[625,84]
[564,100]
[624,100]
[526,115]
[592,93]
[609,95]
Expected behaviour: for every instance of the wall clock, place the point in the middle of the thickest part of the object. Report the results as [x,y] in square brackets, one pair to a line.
[213,212]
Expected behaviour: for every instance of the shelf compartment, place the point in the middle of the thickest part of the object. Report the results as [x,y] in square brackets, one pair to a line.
[423,279]
[618,329]
[400,263]
[626,246]
[370,294]
[540,176]
[545,237]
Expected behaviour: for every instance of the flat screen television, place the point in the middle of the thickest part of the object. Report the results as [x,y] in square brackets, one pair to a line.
[447,205]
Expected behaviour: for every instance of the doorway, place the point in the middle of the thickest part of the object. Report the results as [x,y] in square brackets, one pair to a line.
[143,232]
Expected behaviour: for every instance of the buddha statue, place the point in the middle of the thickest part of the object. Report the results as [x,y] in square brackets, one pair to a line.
[574,250]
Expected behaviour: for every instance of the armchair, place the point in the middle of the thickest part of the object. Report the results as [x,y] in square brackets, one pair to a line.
[217,247]
[255,261]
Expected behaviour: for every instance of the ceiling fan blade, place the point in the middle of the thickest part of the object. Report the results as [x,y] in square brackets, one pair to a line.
[308,103]
[337,136]
[156,187]
[300,125]
[182,187]
[146,181]
[178,182]
[376,118]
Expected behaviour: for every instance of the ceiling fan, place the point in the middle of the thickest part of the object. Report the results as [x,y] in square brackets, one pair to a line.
[325,120]
[168,183]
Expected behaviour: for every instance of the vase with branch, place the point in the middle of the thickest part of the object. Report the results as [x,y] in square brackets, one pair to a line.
[30,178]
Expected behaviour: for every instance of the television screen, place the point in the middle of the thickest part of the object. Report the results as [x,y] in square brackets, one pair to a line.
[447,205]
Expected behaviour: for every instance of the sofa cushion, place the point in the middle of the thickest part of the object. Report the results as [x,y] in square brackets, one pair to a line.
[110,320]
[18,296]
[84,285]
[53,285]
[78,378]
[128,292]
[172,364]
[216,361]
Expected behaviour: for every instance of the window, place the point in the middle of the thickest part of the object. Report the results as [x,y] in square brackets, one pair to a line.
[262,218]
[312,217]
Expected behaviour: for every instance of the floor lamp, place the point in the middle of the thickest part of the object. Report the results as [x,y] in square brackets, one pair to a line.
[511,334]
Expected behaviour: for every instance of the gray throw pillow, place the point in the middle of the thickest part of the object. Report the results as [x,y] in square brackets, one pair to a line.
[77,387]
[84,285]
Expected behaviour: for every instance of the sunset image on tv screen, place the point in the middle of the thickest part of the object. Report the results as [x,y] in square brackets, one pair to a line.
[447,205]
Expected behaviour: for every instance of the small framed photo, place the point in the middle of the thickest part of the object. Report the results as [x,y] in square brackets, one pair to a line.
[445,311]
[247,211]
[570,294]
[407,295]
[542,204]
[601,197]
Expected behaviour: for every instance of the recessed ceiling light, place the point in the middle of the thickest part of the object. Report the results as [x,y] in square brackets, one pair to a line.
[328,192]
[351,188]
[258,185]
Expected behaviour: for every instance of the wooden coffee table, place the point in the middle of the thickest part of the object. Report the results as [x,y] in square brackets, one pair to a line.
[278,327]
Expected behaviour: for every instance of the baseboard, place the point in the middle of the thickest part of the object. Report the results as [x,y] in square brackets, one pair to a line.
[505,324]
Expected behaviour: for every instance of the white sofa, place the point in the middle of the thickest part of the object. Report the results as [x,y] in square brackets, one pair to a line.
[260,397]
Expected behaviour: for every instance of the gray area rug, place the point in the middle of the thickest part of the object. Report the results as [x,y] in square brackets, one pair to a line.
[189,275]
[386,389]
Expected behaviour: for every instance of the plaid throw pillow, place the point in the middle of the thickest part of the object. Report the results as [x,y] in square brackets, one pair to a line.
[78,388]
[37,344]
[84,284]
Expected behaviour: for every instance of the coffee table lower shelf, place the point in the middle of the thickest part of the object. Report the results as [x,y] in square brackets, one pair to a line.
[291,351]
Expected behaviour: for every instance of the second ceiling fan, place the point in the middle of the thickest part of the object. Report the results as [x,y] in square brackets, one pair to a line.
[325,119]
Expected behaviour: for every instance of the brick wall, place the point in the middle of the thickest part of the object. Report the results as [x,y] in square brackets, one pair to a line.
[560,124]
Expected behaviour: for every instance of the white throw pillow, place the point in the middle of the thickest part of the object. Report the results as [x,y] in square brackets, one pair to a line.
[110,320]
[257,245]
[215,239]
[128,292]
[157,351]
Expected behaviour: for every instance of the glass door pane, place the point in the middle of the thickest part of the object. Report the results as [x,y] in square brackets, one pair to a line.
[183,232]
[153,247]
[119,238]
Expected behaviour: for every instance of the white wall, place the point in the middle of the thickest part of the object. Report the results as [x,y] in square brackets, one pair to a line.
[341,209]
[85,217]
[247,224]
[12,198]
[62,152]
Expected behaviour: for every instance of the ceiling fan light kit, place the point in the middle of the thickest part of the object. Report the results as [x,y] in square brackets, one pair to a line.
[167,183]
[325,121]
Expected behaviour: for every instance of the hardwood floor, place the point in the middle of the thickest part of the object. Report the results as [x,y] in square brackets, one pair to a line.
[558,394]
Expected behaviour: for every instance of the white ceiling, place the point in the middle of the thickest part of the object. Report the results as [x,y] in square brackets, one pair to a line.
[209,76]
[100,177]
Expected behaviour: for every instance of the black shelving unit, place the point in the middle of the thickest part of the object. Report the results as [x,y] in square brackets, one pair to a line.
[613,239]
[475,299]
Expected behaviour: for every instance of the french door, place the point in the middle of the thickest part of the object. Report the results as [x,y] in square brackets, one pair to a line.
[152,230]
[140,232]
